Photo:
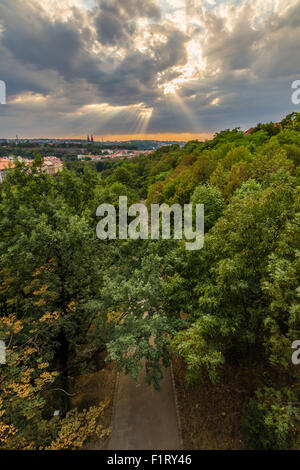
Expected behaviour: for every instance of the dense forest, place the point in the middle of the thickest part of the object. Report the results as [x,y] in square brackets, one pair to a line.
[65,295]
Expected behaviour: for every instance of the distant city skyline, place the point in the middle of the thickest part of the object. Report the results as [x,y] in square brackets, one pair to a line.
[179,137]
[164,69]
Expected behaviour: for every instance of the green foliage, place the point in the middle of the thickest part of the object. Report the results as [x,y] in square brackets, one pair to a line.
[281,285]
[199,355]
[135,304]
[213,201]
[122,175]
[50,297]
[269,128]
[270,420]
[65,295]
[231,269]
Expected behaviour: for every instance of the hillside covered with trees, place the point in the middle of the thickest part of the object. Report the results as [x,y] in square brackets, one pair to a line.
[67,296]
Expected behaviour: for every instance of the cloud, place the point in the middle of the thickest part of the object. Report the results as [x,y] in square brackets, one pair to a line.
[230,49]
[116,19]
[73,65]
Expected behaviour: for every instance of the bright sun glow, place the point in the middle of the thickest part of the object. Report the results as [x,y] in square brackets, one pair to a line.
[169,88]
[188,72]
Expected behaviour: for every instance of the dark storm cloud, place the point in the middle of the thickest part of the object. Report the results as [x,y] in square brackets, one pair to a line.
[111,29]
[134,78]
[92,56]
[37,54]
[270,50]
[278,52]
[115,20]
[136,75]
[32,38]
[232,50]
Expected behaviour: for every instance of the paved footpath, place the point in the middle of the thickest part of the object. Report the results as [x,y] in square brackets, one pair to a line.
[143,417]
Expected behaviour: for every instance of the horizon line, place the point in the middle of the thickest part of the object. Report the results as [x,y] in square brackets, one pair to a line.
[163,137]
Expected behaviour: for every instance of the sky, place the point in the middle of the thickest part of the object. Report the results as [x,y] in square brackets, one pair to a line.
[135,69]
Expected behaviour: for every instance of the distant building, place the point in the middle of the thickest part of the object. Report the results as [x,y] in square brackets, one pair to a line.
[52,165]
[115,154]
[91,157]
[5,166]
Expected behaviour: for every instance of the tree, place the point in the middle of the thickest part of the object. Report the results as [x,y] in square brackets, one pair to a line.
[134,300]
[232,304]
[51,281]
[213,203]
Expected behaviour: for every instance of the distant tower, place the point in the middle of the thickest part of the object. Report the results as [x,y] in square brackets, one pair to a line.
[92,139]
[88,138]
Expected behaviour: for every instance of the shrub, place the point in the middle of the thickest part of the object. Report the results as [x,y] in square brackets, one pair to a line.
[270,420]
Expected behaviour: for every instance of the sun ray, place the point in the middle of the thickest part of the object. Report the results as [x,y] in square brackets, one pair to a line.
[144,120]
[190,116]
